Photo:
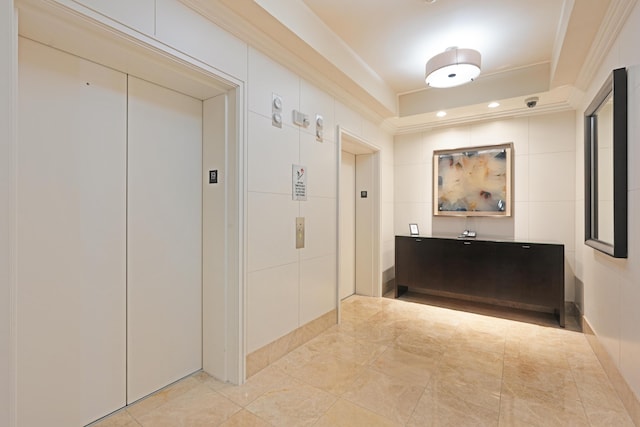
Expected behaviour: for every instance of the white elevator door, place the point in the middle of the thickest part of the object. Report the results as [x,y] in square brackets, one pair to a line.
[347,225]
[70,238]
[164,239]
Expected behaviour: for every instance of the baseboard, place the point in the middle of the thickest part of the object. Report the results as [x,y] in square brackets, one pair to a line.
[571,309]
[388,286]
[628,397]
[265,356]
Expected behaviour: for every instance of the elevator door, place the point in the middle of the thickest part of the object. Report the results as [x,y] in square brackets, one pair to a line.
[164,238]
[70,238]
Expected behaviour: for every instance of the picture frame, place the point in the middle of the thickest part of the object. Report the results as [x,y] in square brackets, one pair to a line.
[413,229]
[473,181]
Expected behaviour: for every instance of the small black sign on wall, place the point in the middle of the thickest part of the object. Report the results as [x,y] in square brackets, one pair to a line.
[363,194]
[213,177]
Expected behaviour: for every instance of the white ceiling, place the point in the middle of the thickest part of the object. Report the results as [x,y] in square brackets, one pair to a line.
[396,37]
[371,54]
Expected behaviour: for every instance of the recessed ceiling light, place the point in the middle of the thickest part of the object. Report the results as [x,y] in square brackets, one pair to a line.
[441,113]
[430,1]
[493,105]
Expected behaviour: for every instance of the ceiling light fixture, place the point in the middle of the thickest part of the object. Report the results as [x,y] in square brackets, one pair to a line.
[493,105]
[441,113]
[453,67]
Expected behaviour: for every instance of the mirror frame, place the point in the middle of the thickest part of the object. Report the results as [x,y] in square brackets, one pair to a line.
[616,86]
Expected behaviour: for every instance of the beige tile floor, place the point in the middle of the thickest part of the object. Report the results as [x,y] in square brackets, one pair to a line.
[398,363]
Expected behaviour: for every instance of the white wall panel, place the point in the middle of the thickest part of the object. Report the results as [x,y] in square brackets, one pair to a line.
[521,178]
[502,131]
[272,152]
[348,119]
[273,305]
[272,233]
[203,40]
[164,237]
[314,101]
[267,77]
[552,133]
[552,177]
[71,213]
[317,287]
[8,69]
[409,150]
[320,160]
[320,228]
[418,178]
[139,14]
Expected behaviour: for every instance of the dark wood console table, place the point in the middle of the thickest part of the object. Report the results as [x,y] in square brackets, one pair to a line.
[514,274]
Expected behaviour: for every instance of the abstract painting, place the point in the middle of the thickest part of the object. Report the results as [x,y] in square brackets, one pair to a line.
[473,181]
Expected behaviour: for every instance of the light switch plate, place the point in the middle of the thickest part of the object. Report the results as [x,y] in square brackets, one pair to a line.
[300,119]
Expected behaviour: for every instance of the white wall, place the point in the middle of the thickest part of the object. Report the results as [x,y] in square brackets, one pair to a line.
[544,177]
[610,288]
[8,63]
[287,287]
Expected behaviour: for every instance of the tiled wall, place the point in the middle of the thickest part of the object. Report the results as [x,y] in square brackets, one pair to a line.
[289,287]
[544,181]
[611,287]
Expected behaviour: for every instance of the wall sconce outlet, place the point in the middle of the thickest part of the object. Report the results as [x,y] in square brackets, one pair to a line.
[319,128]
[276,110]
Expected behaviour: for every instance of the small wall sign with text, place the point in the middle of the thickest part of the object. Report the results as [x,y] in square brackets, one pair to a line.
[299,183]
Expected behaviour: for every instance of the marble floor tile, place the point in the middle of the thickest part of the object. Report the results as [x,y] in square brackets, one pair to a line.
[399,363]
[409,367]
[441,408]
[329,373]
[294,403]
[245,418]
[122,418]
[200,406]
[531,410]
[269,379]
[159,398]
[388,396]
[346,414]
[466,384]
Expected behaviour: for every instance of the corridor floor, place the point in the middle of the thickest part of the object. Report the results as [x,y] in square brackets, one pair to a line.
[398,363]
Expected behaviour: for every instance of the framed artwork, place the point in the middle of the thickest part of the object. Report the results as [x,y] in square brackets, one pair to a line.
[474,181]
[413,229]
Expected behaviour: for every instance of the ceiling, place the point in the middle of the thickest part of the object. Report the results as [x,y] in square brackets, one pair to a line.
[397,37]
[373,52]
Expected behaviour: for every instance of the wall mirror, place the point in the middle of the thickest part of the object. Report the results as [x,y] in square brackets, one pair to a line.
[605,137]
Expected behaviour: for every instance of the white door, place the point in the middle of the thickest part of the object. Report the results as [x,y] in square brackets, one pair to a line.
[70,235]
[164,244]
[347,225]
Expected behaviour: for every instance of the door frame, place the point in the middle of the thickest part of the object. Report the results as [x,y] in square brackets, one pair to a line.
[352,143]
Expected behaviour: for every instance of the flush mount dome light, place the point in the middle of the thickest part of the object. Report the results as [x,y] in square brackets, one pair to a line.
[453,67]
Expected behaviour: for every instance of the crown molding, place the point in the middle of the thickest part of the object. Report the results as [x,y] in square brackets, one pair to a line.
[611,26]
[286,50]
[553,101]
